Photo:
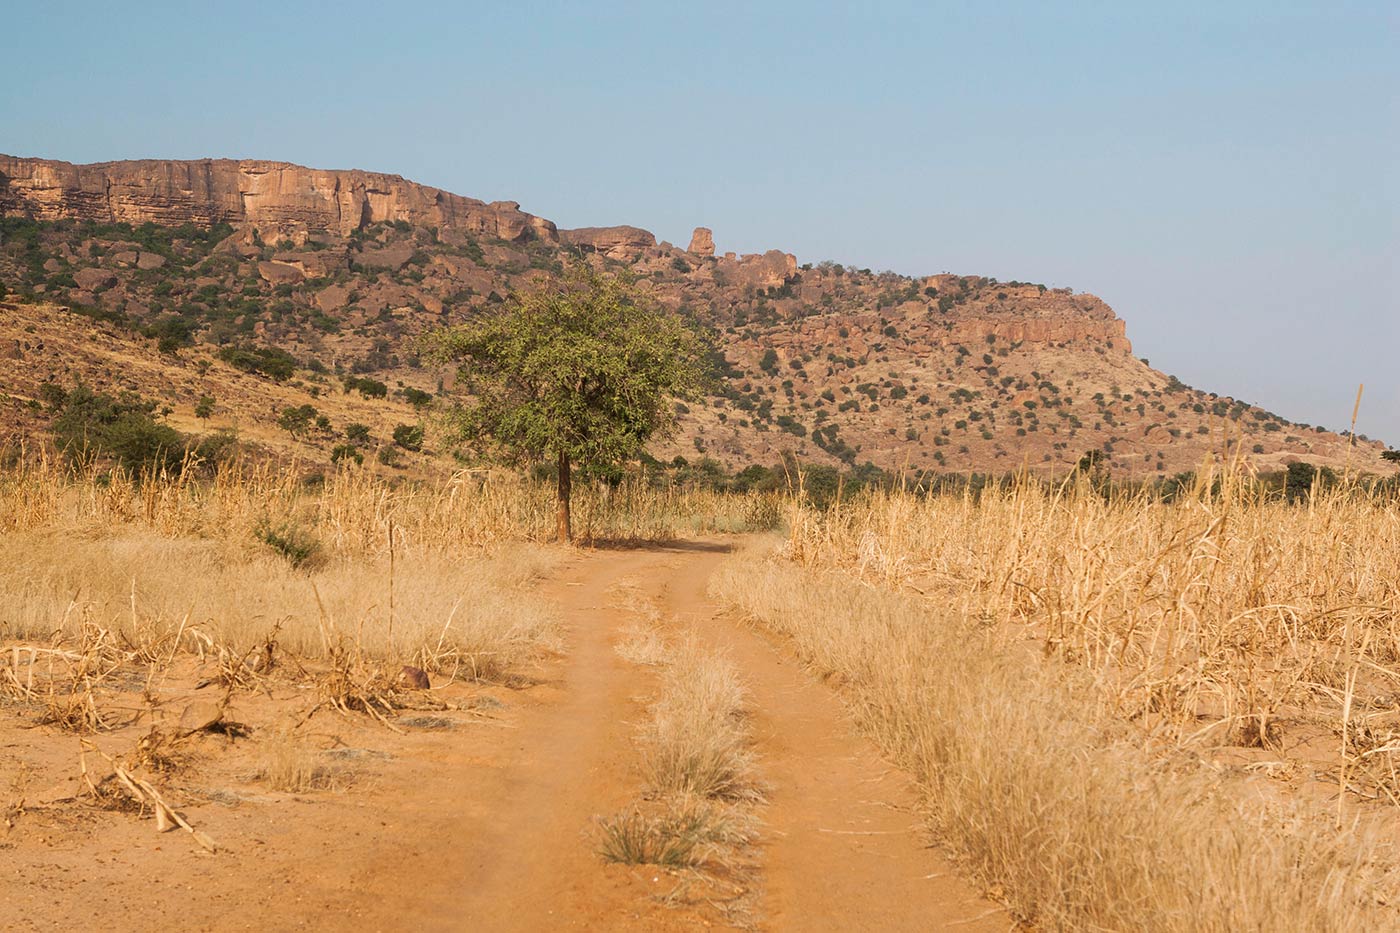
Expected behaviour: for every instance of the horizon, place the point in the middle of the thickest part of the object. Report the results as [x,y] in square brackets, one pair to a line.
[1183,166]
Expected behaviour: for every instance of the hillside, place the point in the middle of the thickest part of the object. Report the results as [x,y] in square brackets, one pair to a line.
[175,274]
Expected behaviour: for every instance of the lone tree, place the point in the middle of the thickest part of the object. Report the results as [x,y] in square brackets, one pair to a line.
[580,370]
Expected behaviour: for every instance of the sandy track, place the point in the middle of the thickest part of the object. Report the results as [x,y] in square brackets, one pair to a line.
[841,848]
[491,826]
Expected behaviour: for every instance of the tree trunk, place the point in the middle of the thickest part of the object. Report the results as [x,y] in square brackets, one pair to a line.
[565,524]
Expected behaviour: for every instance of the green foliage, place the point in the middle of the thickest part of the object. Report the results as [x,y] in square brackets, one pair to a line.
[357,433]
[293,542]
[367,387]
[92,426]
[343,452]
[268,361]
[585,367]
[769,362]
[409,436]
[204,408]
[296,419]
[417,397]
[1302,477]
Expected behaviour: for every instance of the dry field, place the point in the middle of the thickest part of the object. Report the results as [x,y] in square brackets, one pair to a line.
[183,653]
[1123,714]
[1109,714]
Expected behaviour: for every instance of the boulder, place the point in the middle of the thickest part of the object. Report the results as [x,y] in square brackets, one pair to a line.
[621,242]
[702,242]
[92,280]
[393,258]
[279,273]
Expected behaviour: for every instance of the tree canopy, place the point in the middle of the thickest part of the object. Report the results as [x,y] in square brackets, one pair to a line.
[580,370]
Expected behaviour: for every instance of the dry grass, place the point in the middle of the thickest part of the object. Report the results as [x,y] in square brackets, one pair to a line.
[290,765]
[696,743]
[1205,620]
[1059,669]
[1053,805]
[687,834]
[697,810]
[430,575]
[349,514]
[463,615]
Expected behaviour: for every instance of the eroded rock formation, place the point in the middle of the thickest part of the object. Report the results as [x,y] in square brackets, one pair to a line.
[273,197]
[702,242]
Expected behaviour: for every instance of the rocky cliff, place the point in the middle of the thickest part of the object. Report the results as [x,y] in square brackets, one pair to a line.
[338,269]
[279,199]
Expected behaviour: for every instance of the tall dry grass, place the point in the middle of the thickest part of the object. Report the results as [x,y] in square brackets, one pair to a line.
[1042,797]
[1211,619]
[1062,671]
[351,511]
[432,574]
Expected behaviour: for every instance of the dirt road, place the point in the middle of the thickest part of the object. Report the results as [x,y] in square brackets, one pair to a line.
[840,851]
[491,825]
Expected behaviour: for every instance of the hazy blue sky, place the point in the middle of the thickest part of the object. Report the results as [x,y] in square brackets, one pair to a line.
[1226,175]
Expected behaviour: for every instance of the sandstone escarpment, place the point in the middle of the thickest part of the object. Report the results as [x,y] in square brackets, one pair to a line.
[827,362]
[271,196]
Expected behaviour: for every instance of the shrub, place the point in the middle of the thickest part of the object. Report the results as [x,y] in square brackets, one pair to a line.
[268,361]
[369,388]
[343,452]
[417,397]
[409,436]
[92,425]
[293,542]
[295,419]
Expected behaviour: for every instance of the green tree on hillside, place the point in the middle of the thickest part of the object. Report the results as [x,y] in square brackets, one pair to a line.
[91,425]
[577,371]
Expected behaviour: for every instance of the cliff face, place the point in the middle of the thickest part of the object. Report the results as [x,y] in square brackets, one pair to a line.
[275,197]
[836,364]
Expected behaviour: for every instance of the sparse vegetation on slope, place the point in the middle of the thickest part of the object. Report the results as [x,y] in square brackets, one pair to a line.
[831,364]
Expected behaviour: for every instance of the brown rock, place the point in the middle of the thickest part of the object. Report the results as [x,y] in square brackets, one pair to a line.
[333,297]
[150,261]
[622,242]
[126,257]
[414,678]
[93,279]
[390,257]
[278,198]
[279,273]
[199,716]
[702,242]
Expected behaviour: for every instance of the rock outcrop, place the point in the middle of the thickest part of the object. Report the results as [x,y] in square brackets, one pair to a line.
[622,242]
[270,196]
[772,269]
[702,242]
